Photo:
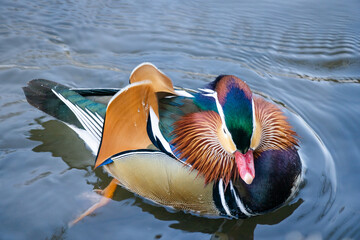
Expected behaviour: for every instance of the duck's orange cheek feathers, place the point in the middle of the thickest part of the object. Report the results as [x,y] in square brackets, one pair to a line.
[245,165]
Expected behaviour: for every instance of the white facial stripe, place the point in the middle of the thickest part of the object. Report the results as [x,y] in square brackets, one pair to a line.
[254,119]
[218,106]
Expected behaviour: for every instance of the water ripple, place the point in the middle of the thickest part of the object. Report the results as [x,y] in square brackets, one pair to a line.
[303,53]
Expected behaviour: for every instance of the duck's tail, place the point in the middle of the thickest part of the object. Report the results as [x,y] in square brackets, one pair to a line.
[39,93]
[83,109]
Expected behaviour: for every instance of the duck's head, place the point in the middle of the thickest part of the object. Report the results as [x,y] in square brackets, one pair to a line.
[235,97]
[217,142]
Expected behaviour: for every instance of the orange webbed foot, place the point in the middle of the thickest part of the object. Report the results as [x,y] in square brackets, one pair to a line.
[107,194]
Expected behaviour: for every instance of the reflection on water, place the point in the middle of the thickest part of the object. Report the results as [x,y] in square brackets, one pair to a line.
[56,137]
[303,55]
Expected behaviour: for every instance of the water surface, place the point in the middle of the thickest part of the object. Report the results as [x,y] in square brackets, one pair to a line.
[302,55]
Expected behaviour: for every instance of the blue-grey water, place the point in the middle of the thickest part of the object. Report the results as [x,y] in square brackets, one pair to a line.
[303,55]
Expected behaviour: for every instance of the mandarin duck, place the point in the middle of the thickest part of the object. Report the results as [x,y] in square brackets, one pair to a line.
[218,150]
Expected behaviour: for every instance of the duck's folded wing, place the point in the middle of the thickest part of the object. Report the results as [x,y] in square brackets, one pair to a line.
[158,177]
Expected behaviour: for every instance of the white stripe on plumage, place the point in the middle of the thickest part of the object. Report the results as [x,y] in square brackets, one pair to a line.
[154,120]
[91,125]
[238,201]
[222,197]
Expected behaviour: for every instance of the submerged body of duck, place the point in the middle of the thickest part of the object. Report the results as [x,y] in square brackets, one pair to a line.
[218,150]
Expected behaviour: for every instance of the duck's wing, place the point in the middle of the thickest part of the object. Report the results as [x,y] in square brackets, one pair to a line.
[156,176]
[128,111]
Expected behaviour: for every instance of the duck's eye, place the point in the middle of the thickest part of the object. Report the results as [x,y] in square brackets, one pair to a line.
[224,131]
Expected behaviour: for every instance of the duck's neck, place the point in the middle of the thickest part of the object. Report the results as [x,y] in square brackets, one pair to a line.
[277,172]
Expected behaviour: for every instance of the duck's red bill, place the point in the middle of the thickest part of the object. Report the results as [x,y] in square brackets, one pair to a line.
[245,165]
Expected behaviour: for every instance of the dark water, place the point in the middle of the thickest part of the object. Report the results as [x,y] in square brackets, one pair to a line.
[304,55]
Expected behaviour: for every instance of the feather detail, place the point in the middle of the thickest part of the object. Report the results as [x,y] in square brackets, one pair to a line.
[272,128]
[197,139]
[126,119]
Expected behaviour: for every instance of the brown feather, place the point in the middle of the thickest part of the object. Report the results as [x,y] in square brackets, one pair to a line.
[197,140]
[126,114]
[274,131]
[147,71]
[125,121]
